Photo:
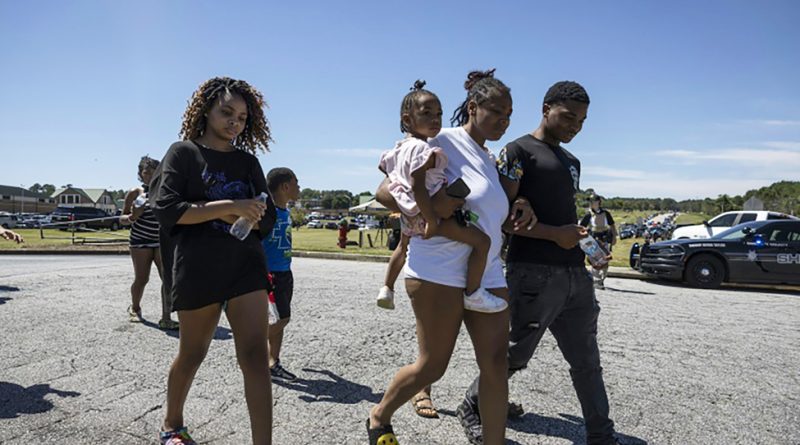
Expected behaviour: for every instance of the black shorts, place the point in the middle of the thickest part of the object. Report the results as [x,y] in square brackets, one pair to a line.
[282,290]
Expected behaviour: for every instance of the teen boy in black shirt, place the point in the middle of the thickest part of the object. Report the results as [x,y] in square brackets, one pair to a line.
[548,282]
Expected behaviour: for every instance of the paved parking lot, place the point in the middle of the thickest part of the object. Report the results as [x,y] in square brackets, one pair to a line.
[682,366]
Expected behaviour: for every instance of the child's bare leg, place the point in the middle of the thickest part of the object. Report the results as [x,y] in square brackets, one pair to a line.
[396,262]
[480,244]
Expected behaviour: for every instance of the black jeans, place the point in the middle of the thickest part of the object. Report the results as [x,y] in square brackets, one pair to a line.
[562,299]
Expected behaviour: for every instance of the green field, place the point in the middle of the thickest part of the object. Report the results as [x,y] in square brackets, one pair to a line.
[58,239]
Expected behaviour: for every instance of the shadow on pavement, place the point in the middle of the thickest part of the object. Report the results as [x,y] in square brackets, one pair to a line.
[221,333]
[625,291]
[4,288]
[570,428]
[567,427]
[16,399]
[4,299]
[331,389]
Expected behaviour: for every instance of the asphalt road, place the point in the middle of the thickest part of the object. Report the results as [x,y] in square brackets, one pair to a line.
[682,366]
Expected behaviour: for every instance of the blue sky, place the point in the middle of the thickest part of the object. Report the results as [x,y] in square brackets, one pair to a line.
[689,99]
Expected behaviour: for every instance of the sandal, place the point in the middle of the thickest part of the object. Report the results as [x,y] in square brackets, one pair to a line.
[178,436]
[515,410]
[134,316]
[382,435]
[168,325]
[427,412]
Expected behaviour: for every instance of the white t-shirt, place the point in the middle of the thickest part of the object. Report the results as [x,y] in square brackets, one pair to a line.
[441,260]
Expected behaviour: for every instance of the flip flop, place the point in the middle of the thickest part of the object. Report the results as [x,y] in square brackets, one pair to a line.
[382,435]
[427,412]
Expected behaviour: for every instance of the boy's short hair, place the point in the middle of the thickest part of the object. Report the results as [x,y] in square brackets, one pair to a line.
[278,176]
[566,90]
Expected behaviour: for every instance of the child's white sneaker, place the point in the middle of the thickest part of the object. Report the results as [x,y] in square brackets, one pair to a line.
[386,298]
[484,301]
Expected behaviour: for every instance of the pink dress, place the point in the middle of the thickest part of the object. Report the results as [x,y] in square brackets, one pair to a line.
[398,163]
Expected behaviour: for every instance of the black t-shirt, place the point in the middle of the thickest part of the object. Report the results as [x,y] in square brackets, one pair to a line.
[550,187]
[210,265]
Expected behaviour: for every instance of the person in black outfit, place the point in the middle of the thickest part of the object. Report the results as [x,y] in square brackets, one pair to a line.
[206,182]
[144,244]
[601,226]
[549,285]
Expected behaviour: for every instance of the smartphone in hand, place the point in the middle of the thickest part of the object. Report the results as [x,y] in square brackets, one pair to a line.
[458,189]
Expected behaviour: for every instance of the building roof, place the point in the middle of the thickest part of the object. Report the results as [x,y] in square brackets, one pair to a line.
[93,194]
[19,191]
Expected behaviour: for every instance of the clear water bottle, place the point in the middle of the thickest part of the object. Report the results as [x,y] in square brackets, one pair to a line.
[594,251]
[242,227]
[140,200]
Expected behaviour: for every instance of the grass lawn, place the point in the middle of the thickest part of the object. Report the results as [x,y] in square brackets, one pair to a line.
[58,239]
[324,240]
[692,218]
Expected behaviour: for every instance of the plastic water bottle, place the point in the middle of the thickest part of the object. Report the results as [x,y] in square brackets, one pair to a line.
[596,254]
[140,200]
[242,227]
[273,310]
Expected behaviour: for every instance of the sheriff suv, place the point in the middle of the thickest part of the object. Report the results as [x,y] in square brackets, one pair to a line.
[725,221]
[753,252]
[83,218]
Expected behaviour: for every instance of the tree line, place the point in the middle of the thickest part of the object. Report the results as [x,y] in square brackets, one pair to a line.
[783,196]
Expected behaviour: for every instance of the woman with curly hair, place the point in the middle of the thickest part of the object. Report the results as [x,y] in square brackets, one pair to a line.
[144,245]
[207,181]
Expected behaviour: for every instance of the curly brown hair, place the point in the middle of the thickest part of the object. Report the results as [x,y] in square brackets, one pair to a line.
[256,133]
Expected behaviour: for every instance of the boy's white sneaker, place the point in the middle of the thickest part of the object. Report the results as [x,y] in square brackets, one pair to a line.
[386,298]
[484,301]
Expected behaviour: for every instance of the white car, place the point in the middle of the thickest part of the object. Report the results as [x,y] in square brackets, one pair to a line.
[314,224]
[8,221]
[725,221]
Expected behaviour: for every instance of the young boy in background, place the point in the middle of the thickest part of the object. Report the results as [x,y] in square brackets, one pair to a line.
[283,187]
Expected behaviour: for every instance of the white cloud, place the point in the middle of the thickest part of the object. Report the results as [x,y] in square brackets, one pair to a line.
[668,186]
[774,122]
[608,172]
[783,145]
[747,156]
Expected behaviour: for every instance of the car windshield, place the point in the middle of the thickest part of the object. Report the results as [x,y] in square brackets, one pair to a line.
[734,233]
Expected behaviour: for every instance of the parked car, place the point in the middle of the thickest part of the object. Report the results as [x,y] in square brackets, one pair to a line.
[315,224]
[627,232]
[91,216]
[754,252]
[34,221]
[331,225]
[8,221]
[371,224]
[725,221]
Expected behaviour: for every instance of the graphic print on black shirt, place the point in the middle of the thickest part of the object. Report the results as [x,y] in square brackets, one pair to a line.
[219,188]
[548,177]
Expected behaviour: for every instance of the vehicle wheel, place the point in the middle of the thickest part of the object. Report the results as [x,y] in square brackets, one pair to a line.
[114,226]
[705,271]
[82,227]
[5,226]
